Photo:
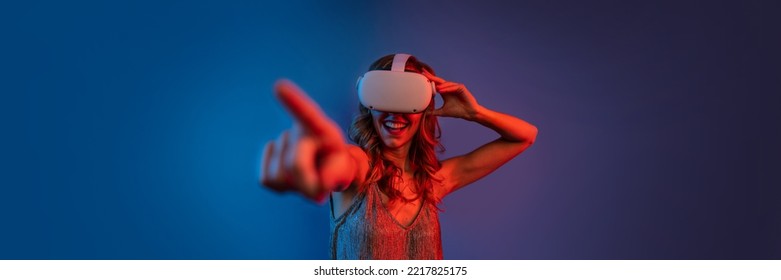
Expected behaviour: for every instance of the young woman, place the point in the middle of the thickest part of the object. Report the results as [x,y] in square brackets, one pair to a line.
[384,190]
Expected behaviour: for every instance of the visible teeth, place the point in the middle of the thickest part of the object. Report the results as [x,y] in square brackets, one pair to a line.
[395,125]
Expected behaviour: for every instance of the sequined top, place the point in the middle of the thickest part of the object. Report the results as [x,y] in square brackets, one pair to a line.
[367,230]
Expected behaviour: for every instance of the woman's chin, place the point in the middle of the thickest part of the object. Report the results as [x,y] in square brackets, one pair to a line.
[395,139]
[393,143]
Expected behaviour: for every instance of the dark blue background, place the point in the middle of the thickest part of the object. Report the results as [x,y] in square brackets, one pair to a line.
[132,129]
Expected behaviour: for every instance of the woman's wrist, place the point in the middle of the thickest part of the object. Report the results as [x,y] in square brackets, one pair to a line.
[476,114]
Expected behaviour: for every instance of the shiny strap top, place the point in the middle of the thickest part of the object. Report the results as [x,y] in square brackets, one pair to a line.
[367,230]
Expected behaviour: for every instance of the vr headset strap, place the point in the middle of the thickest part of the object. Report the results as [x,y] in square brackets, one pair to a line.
[399,62]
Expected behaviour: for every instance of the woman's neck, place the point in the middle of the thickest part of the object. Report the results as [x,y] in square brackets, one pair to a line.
[399,157]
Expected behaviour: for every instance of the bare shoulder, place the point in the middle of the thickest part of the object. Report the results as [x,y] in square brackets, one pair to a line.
[361,161]
[358,153]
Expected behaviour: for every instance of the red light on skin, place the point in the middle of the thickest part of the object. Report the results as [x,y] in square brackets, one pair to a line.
[396,129]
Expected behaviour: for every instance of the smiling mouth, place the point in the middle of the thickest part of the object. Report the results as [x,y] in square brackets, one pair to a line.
[394,127]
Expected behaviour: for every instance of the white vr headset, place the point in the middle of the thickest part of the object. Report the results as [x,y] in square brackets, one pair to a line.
[395,91]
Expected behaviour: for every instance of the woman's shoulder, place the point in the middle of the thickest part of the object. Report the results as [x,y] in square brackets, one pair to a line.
[362,166]
[361,158]
[357,152]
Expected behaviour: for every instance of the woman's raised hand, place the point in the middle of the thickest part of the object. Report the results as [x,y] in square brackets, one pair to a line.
[312,156]
[458,101]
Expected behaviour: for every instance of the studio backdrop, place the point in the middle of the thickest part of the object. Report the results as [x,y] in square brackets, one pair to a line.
[133,129]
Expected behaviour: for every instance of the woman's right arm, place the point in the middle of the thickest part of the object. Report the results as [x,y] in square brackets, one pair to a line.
[312,157]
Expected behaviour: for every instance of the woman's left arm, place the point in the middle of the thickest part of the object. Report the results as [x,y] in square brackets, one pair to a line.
[515,136]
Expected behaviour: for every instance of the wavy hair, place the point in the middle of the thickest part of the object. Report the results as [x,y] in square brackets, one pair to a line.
[422,154]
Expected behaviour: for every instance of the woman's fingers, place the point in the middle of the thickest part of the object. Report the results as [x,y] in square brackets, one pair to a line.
[305,169]
[449,87]
[296,161]
[443,86]
[300,161]
[294,138]
[265,177]
[446,84]
[307,112]
[312,158]
[432,77]
[446,87]
[277,176]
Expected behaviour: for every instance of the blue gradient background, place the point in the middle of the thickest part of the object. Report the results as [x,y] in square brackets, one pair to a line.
[132,129]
